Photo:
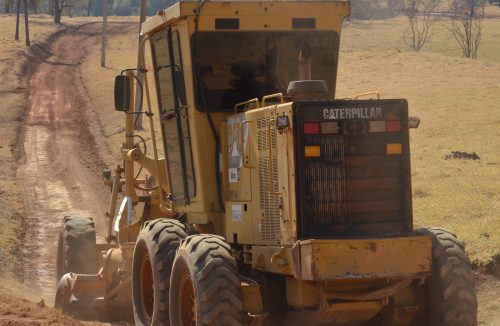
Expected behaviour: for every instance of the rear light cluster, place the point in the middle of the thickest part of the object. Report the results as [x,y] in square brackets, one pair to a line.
[351,127]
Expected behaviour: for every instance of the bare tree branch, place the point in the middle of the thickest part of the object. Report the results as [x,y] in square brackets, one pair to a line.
[466,25]
[420,20]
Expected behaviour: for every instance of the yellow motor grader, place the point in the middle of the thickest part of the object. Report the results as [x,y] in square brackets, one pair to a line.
[267,200]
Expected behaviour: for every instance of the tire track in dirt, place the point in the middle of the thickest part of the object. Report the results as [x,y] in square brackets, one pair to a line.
[60,166]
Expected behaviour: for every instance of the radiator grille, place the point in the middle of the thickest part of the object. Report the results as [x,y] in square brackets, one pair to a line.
[262,139]
[350,181]
[269,203]
[355,187]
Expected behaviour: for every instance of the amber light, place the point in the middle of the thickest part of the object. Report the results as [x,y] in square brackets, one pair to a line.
[312,151]
[311,128]
[395,148]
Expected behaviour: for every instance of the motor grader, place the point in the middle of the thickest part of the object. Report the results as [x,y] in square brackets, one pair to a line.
[266,199]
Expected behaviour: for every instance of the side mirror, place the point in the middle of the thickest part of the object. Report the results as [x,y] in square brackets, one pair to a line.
[413,122]
[122,93]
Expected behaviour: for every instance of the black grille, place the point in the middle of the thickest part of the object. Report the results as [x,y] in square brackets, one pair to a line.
[354,187]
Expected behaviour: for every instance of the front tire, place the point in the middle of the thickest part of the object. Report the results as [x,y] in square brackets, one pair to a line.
[154,255]
[205,284]
[76,248]
[451,296]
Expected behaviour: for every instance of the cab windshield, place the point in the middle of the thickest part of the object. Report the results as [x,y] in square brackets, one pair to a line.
[234,67]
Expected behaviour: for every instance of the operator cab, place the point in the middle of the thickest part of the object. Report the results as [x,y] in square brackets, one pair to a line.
[235,67]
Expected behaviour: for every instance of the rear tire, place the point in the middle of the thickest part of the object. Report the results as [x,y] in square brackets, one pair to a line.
[76,248]
[205,284]
[451,296]
[154,255]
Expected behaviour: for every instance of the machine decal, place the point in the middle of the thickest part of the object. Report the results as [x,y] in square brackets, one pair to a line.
[236,213]
[235,146]
[352,113]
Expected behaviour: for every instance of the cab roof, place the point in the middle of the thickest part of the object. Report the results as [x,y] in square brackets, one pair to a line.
[254,15]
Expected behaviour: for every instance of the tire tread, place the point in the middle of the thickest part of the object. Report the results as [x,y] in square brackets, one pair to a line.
[453,298]
[216,274]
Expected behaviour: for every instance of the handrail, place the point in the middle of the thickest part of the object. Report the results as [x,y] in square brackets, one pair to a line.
[276,95]
[254,100]
[366,94]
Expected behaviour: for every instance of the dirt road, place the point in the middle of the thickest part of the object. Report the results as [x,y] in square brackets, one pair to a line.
[60,167]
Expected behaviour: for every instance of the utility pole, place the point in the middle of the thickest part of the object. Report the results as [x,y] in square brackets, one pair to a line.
[104,27]
[26,28]
[18,12]
[138,97]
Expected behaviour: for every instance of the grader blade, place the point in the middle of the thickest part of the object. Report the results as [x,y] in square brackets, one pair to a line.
[77,293]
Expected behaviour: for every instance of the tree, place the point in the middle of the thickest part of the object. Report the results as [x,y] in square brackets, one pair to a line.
[420,14]
[466,25]
[364,9]
[8,4]
[18,12]
[26,27]
[122,7]
[89,6]
[394,7]
[104,31]
[58,7]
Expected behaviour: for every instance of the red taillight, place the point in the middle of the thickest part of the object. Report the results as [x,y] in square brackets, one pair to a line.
[311,128]
[392,125]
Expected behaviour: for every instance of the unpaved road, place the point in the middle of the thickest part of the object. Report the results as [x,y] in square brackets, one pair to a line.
[59,161]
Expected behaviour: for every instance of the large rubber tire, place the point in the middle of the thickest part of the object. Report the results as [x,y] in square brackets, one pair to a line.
[205,285]
[154,255]
[451,296]
[76,248]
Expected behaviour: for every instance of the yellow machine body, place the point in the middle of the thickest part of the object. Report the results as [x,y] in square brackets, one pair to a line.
[247,185]
[259,195]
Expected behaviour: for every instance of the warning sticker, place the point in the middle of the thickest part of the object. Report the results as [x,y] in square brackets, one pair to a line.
[237,141]
[234,174]
[237,213]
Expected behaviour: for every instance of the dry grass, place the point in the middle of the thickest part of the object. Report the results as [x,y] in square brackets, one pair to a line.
[13,55]
[457,100]
[121,52]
